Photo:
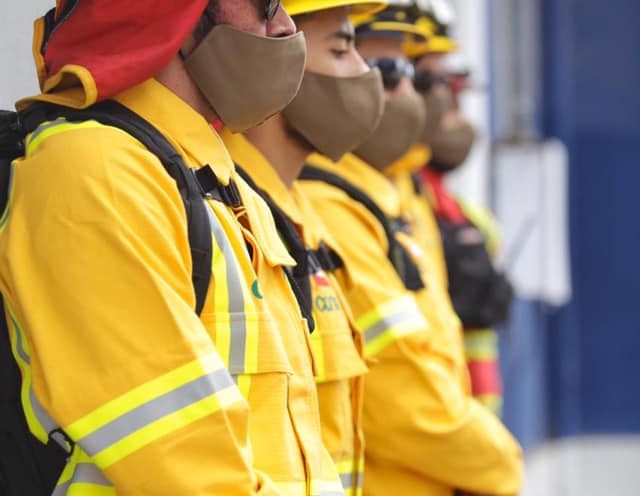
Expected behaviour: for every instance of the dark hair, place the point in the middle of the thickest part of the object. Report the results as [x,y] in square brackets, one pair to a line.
[207,21]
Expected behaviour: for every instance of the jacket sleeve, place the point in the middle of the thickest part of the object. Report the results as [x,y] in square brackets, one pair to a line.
[438,430]
[99,289]
[417,414]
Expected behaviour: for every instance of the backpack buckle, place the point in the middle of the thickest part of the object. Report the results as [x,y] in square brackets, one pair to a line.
[229,194]
[59,437]
[329,260]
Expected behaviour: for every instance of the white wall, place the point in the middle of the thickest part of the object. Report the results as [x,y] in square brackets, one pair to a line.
[472,180]
[18,75]
[591,466]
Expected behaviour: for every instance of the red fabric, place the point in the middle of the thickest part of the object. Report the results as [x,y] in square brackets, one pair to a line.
[485,378]
[218,124]
[121,43]
[320,280]
[446,206]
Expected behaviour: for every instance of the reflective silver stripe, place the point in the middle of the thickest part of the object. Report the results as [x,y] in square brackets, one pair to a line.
[346,480]
[154,410]
[85,473]
[41,129]
[238,324]
[43,417]
[379,328]
[330,493]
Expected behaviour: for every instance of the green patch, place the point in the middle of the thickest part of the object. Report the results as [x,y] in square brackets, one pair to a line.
[255,289]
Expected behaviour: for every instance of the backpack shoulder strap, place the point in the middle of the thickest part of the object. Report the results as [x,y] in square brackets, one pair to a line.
[27,466]
[111,113]
[312,173]
[397,254]
[299,275]
[329,259]
[11,147]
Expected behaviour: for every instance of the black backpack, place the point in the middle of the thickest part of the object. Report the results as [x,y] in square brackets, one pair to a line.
[397,253]
[28,467]
[481,295]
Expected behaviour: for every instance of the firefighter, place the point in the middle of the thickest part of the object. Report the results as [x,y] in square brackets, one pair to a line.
[480,293]
[150,309]
[338,106]
[425,433]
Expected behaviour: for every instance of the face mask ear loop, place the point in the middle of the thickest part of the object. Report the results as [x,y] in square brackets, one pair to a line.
[204,26]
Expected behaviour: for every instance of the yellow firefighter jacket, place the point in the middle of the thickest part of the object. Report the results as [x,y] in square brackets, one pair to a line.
[481,345]
[97,280]
[425,435]
[337,347]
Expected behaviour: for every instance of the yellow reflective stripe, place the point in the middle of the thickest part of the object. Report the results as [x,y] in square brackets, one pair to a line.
[167,425]
[481,355]
[226,299]
[81,477]
[154,410]
[317,349]
[351,475]
[492,401]
[484,220]
[237,325]
[52,128]
[84,489]
[39,422]
[221,301]
[251,352]
[141,395]
[390,322]
[481,345]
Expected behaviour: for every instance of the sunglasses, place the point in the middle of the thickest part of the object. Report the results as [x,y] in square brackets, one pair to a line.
[424,80]
[392,70]
[270,8]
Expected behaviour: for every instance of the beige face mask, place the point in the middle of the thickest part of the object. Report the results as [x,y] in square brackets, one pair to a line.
[402,122]
[437,102]
[247,78]
[451,147]
[336,114]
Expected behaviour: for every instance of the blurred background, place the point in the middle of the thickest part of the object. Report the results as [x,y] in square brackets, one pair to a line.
[556,87]
[555,91]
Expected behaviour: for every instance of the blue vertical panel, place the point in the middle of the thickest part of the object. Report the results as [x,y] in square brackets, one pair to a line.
[524,363]
[593,103]
[564,344]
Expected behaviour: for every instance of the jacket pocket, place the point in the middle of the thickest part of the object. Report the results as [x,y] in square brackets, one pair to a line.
[336,356]
[249,343]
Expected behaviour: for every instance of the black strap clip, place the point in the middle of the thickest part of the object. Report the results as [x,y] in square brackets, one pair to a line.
[212,188]
[60,438]
[329,260]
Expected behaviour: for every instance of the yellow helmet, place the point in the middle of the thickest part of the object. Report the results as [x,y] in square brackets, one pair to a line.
[435,18]
[358,7]
[397,19]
